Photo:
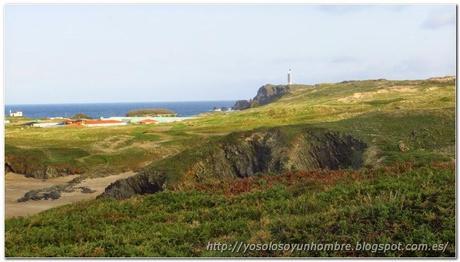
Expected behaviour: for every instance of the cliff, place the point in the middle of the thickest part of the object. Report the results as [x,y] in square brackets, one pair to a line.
[244,154]
[266,94]
[241,105]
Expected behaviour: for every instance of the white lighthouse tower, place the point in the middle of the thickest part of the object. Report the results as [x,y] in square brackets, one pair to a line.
[289,77]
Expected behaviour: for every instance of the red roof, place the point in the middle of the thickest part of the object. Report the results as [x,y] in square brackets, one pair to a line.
[147,121]
[93,122]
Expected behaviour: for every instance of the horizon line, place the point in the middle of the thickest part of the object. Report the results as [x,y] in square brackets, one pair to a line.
[121,102]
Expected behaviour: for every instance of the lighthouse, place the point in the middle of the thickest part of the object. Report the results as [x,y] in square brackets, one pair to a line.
[289,77]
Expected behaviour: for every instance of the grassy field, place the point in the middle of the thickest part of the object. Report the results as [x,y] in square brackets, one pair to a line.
[405,204]
[95,151]
[101,151]
[405,192]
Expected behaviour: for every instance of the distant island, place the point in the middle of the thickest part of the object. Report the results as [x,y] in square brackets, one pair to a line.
[153,112]
[81,116]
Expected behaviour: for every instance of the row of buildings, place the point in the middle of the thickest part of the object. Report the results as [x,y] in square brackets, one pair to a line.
[110,121]
[88,123]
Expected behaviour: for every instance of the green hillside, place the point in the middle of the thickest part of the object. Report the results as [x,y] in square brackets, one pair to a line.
[353,161]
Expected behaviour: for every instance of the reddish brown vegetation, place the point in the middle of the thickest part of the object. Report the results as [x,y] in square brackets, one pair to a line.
[247,184]
[319,177]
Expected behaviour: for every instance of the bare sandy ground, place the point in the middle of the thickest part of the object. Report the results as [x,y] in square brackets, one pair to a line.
[17,185]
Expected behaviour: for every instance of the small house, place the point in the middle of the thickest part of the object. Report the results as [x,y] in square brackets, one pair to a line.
[16,114]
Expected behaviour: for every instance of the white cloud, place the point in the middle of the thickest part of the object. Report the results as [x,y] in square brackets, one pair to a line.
[438,19]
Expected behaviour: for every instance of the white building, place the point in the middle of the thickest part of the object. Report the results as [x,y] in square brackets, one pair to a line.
[47,124]
[289,77]
[16,114]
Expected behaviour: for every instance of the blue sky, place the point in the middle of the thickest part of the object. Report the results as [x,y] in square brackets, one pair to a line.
[127,53]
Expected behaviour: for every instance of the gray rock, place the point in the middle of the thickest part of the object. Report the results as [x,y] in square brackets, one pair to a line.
[140,184]
[269,93]
[241,105]
[265,95]
[40,195]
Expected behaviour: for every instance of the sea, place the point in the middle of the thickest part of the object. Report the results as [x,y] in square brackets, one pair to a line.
[97,110]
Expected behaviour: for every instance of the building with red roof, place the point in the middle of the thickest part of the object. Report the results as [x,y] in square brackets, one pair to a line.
[148,122]
[94,122]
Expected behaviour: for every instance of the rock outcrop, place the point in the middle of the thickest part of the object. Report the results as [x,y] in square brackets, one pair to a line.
[54,192]
[266,94]
[269,93]
[140,184]
[244,154]
[241,105]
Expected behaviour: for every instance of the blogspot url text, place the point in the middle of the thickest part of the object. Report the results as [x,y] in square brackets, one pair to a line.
[242,247]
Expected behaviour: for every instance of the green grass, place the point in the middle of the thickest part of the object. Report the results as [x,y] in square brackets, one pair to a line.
[121,148]
[413,206]
[309,105]
[400,196]
[384,101]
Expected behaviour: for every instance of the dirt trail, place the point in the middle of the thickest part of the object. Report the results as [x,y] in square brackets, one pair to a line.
[17,185]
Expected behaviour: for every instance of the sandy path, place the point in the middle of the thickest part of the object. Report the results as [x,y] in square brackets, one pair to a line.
[17,185]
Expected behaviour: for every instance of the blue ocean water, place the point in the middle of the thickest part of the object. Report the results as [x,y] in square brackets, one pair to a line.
[97,110]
